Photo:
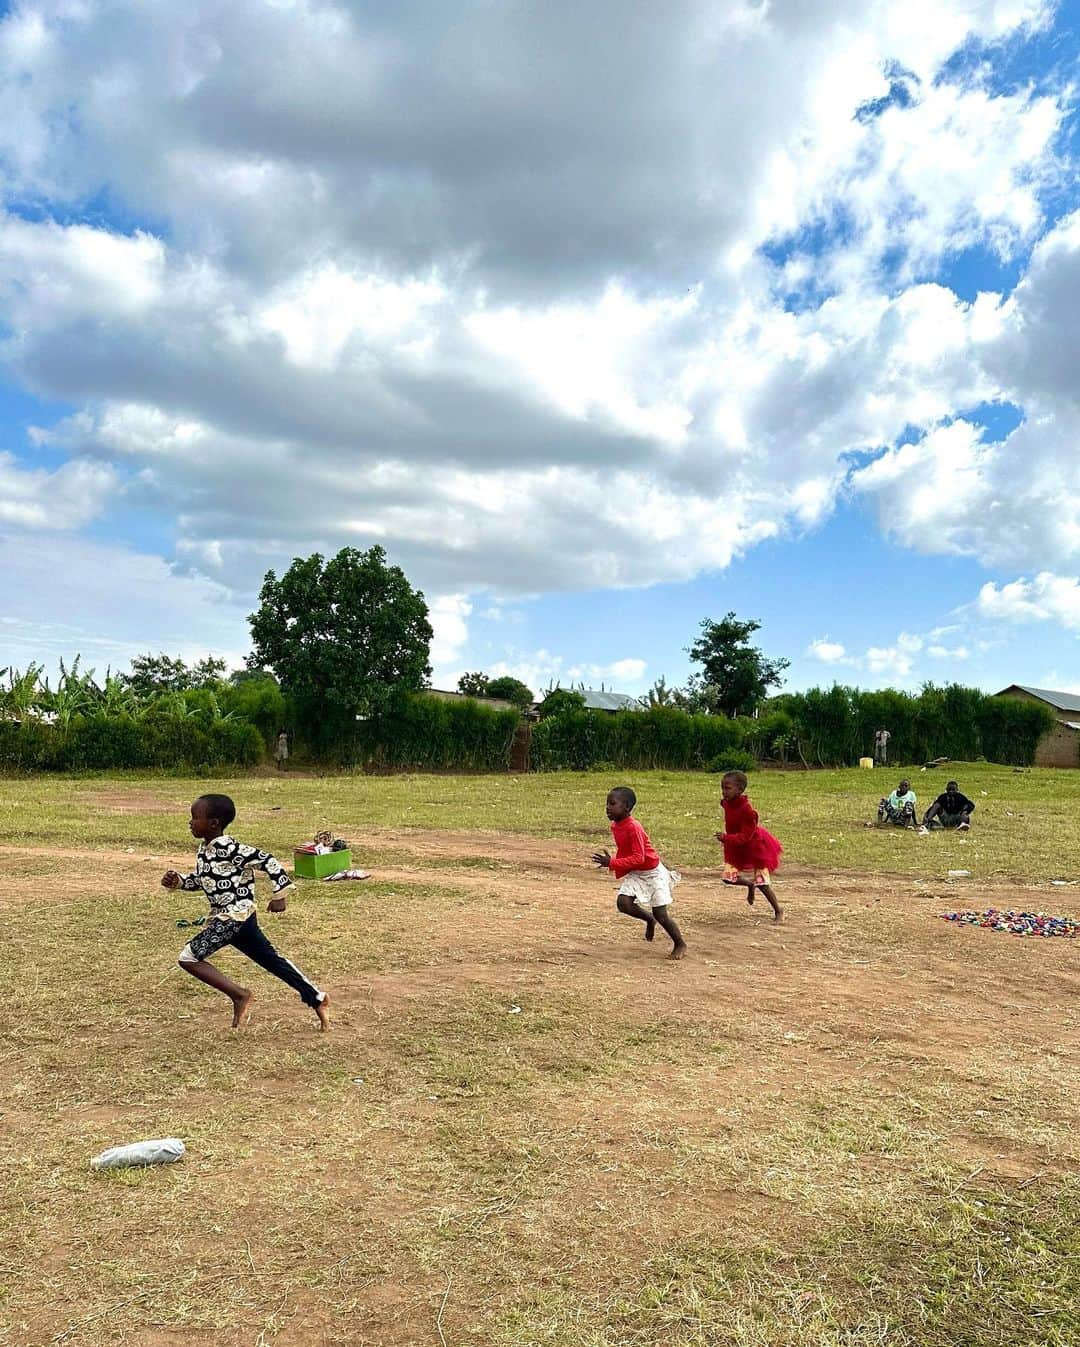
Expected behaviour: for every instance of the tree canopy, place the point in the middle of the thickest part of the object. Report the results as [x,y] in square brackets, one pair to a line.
[154,674]
[736,676]
[473,684]
[511,690]
[342,636]
[559,700]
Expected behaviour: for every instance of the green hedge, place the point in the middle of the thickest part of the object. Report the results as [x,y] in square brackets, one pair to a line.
[660,737]
[421,731]
[104,743]
[834,727]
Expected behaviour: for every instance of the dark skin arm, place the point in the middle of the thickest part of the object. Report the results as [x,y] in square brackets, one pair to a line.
[602,859]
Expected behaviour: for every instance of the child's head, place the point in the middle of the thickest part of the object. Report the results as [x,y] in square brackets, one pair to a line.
[620,803]
[953,788]
[733,784]
[211,815]
[903,787]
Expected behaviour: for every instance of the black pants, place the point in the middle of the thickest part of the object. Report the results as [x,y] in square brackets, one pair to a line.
[248,938]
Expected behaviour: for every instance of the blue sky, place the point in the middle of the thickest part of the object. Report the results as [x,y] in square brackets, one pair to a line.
[599,325]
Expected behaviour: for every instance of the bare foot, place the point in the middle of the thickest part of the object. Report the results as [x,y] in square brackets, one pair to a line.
[241,1009]
[750,895]
[778,917]
[323,1012]
[679,952]
[650,929]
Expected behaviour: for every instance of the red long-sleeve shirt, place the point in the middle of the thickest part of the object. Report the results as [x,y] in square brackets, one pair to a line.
[633,850]
[740,821]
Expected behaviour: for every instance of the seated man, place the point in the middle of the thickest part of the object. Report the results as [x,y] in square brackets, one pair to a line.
[949,810]
[899,807]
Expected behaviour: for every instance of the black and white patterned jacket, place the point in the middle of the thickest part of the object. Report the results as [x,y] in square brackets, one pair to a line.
[224,870]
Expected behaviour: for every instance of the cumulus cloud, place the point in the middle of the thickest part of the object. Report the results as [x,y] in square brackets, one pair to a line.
[489,295]
[37,499]
[1045,598]
[829,652]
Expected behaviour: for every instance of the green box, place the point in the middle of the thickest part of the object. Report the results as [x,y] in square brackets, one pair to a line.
[308,866]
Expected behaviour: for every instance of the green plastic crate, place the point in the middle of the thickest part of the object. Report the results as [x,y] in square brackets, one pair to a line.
[308,866]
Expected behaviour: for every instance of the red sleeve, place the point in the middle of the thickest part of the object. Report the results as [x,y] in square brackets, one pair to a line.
[744,821]
[631,850]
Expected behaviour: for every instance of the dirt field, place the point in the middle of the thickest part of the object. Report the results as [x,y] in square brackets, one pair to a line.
[528,1126]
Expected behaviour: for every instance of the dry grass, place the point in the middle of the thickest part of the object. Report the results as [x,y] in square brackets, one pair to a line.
[526,1127]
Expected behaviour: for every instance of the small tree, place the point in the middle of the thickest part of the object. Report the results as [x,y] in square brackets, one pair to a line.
[559,700]
[660,694]
[511,690]
[473,685]
[738,672]
[343,637]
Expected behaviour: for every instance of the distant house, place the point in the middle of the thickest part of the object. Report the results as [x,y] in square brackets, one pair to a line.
[596,700]
[1061,746]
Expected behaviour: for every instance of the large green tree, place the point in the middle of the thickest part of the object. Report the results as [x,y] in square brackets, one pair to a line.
[343,637]
[736,676]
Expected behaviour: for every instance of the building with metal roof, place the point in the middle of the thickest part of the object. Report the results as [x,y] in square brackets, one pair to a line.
[1061,746]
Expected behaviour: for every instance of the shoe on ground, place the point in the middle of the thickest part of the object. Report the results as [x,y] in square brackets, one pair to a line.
[924,832]
[963,827]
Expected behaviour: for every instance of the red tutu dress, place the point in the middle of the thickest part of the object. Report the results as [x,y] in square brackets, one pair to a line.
[748,847]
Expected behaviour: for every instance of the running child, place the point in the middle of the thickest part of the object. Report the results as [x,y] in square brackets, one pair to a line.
[751,852]
[224,872]
[645,890]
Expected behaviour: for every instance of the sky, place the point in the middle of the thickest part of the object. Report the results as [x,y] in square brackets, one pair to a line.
[601,319]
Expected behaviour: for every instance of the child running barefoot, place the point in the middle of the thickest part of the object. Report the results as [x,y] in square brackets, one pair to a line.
[223,870]
[747,846]
[645,891]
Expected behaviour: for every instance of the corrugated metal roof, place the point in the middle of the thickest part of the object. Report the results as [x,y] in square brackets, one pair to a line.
[614,701]
[1064,701]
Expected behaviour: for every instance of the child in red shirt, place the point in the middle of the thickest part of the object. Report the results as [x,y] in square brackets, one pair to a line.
[645,891]
[748,847]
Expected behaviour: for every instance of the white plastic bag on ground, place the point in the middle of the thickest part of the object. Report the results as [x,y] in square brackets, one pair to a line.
[163,1151]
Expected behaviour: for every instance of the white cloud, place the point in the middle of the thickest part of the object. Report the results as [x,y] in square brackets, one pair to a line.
[829,652]
[897,660]
[1046,598]
[542,669]
[627,670]
[65,498]
[449,614]
[488,327]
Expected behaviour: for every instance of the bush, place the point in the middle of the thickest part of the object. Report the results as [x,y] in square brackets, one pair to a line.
[28,746]
[734,760]
[835,727]
[660,737]
[420,731]
[101,742]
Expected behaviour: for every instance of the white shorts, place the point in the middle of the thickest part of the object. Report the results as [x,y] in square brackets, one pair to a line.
[650,888]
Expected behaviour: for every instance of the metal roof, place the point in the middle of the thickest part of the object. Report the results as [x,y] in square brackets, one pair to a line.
[617,701]
[1064,701]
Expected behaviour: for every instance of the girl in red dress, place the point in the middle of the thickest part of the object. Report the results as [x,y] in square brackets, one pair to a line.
[751,853]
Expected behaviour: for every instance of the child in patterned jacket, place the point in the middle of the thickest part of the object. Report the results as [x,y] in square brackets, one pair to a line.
[224,871]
